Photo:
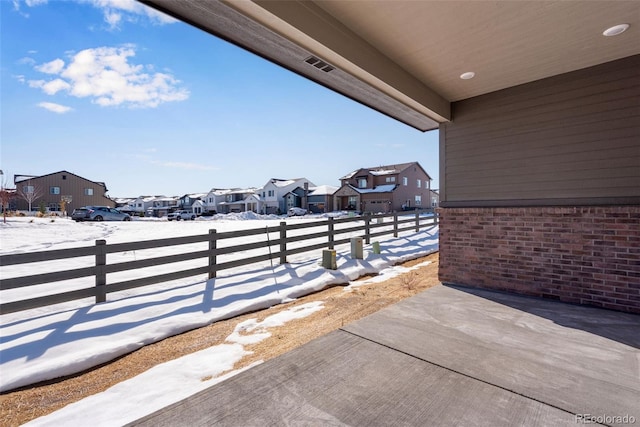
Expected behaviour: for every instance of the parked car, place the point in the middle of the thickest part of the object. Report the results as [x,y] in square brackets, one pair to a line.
[178,215]
[99,213]
[296,212]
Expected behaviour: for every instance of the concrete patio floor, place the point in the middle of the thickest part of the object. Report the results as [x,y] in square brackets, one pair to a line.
[450,356]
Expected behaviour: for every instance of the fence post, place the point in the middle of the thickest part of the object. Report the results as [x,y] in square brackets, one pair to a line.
[435,216]
[101,275]
[283,242]
[331,236]
[417,221]
[367,230]
[395,224]
[213,245]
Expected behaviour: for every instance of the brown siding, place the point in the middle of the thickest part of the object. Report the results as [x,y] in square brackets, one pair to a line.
[70,185]
[585,255]
[569,139]
[411,190]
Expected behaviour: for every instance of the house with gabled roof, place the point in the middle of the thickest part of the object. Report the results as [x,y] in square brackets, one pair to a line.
[315,199]
[384,189]
[59,189]
[235,200]
[272,195]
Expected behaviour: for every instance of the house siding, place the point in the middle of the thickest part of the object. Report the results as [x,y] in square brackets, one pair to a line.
[70,185]
[540,188]
[569,139]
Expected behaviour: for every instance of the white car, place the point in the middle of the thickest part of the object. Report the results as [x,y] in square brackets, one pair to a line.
[178,215]
[296,211]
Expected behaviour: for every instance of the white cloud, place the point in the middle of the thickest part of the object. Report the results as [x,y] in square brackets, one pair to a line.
[53,67]
[113,11]
[106,75]
[55,86]
[56,108]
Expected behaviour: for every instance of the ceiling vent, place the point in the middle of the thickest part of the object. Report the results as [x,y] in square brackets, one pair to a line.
[319,64]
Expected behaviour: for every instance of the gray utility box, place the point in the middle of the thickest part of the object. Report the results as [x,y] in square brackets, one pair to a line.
[329,259]
[356,248]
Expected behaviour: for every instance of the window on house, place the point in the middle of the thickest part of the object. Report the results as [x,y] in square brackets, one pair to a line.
[28,189]
[88,191]
[434,202]
[405,180]
[391,179]
[54,190]
[54,207]
[418,200]
[419,183]
[362,183]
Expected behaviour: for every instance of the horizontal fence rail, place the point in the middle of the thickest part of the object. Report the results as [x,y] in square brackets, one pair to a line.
[215,249]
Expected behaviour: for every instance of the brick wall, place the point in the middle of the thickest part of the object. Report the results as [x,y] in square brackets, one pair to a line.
[585,255]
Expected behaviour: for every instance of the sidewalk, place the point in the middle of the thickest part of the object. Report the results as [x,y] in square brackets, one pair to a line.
[450,356]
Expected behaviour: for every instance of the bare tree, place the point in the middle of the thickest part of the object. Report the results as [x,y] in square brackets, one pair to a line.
[29,192]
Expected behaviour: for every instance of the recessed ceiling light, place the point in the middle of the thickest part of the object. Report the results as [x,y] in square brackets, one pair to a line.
[468,75]
[615,30]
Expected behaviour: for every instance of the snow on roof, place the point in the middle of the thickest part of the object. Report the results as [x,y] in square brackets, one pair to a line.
[322,190]
[282,182]
[387,188]
[350,175]
[242,190]
[381,172]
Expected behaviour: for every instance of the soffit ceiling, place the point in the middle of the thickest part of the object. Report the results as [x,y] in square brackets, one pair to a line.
[405,58]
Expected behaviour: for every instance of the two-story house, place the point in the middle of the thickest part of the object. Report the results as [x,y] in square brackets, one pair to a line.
[315,199]
[162,206]
[140,205]
[385,189]
[235,200]
[59,189]
[188,202]
[213,198]
[272,195]
[320,198]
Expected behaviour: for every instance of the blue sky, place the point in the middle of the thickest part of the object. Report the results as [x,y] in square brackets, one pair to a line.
[115,92]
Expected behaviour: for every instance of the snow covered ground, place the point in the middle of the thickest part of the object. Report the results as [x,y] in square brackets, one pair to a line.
[63,339]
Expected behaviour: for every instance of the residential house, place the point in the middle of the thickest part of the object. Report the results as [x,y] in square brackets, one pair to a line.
[162,206]
[253,203]
[435,198]
[235,200]
[315,199]
[59,189]
[213,198]
[320,198]
[385,189]
[188,202]
[272,195]
[123,203]
[140,205]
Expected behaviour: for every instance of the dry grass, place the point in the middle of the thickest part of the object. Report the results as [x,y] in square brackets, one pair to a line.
[340,308]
